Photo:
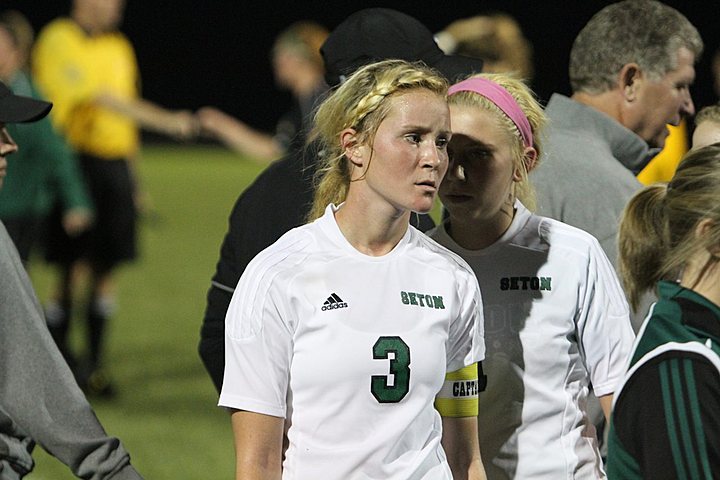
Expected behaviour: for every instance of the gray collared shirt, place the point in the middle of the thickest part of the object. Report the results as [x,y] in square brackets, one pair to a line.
[587,172]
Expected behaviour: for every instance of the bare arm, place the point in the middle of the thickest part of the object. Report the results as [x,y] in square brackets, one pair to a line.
[180,124]
[258,445]
[606,405]
[461,445]
[238,135]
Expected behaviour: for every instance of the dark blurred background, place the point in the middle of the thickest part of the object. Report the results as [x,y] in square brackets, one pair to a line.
[210,52]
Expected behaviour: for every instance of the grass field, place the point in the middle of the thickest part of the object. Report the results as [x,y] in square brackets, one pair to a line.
[166,413]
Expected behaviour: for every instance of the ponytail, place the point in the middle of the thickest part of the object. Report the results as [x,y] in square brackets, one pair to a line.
[657,237]
[642,245]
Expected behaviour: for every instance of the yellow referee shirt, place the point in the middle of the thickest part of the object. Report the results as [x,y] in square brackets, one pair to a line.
[662,167]
[72,69]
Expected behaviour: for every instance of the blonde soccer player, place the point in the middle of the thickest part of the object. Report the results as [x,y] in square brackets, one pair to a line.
[344,329]
[556,319]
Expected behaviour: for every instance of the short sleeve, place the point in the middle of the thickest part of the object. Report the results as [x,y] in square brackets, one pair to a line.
[604,328]
[58,67]
[258,349]
[466,344]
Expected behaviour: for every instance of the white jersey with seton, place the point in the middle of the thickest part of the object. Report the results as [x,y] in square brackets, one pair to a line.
[556,325]
[352,349]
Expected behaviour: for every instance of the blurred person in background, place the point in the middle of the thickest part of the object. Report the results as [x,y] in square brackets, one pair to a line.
[298,67]
[87,67]
[707,126]
[45,168]
[495,37]
[40,401]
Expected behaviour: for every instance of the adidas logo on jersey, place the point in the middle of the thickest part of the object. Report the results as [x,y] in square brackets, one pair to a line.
[333,302]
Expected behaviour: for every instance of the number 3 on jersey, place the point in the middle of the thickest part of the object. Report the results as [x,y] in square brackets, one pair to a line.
[399,369]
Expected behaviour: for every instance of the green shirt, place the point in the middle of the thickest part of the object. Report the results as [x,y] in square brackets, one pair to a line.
[666,414]
[42,170]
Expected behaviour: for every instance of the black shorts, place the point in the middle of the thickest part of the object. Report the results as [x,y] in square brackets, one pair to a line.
[113,237]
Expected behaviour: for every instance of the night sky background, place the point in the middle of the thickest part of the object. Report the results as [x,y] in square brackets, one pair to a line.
[213,52]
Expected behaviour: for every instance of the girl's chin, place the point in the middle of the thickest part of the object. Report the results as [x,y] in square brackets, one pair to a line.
[422,207]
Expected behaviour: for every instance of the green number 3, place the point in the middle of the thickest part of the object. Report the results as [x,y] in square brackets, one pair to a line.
[399,369]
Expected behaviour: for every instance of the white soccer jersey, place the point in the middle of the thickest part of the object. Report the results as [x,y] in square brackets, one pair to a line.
[352,349]
[556,324]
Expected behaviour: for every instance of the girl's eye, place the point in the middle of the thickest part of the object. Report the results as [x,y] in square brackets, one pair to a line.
[413,137]
[480,153]
[441,142]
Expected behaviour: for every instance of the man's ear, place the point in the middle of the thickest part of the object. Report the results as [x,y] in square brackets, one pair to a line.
[628,80]
[351,147]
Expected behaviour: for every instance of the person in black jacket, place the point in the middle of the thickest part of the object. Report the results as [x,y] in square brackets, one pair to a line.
[281,196]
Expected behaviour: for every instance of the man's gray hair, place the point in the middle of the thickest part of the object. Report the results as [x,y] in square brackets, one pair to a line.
[645,32]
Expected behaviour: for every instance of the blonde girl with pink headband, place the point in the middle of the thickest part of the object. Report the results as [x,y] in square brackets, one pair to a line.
[556,320]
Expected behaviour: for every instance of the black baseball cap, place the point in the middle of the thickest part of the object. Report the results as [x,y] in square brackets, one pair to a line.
[375,34]
[19,109]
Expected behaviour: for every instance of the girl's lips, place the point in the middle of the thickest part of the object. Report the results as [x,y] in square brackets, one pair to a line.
[427,185]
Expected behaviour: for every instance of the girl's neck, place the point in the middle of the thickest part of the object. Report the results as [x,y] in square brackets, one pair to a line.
[479,233]
[705,283]
[374,232]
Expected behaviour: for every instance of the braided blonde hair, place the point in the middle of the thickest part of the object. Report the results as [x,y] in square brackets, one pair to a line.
[360,103]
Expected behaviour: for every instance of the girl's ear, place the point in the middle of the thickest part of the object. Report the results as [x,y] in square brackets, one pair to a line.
[529,161]
[351,147]
[703,229]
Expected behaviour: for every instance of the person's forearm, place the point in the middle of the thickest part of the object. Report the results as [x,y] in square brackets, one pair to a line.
[606,405]
[174,123]
[469,469]
[258,446]
[476,471]
[253,471]
[245,140]
[462,448]
[237,135]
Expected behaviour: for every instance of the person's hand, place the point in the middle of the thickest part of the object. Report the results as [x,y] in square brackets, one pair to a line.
[76,220]
[184,125]
[213,121]
[472,28]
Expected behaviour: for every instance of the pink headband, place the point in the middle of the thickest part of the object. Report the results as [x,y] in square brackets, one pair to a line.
[500,97]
